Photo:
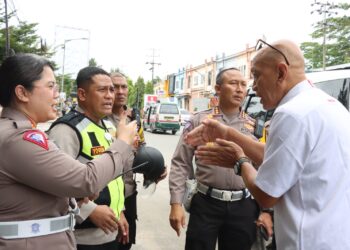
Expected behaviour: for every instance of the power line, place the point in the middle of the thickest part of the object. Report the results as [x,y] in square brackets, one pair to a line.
[14,10]
[152,62]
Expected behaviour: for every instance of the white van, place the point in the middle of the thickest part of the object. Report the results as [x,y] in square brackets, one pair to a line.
[335,83]
[163,117]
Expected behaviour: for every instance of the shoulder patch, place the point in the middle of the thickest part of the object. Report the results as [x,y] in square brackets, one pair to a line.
[37,137]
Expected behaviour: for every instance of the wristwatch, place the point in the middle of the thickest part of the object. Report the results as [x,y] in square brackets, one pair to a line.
[238,165]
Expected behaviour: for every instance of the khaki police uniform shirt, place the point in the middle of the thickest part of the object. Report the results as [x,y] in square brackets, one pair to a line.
[129,182]
[213,176]
[36,181]
[67,140]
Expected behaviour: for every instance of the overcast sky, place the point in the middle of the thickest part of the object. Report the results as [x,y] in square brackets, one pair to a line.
[122,34]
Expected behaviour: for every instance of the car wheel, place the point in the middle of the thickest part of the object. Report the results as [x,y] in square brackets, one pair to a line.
[173,132]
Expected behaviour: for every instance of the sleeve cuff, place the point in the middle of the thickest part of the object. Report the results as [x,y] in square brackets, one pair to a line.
[85,211]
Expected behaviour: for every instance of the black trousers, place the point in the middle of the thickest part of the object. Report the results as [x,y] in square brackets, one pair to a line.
[131,216]
[231,223]
[113,245]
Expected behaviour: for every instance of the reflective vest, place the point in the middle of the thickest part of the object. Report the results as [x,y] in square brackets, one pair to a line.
[94,140]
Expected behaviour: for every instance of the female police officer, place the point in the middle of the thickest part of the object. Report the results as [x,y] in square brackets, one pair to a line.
[35,176]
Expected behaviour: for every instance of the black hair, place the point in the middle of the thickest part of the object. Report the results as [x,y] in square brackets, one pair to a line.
[20,69]
[219,77]
[85,75]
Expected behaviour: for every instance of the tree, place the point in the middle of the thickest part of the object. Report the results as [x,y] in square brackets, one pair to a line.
[92,62]
[337,32]
[149,88]
[136,93]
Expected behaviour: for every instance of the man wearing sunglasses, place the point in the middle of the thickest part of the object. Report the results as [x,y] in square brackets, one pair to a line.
[304,167]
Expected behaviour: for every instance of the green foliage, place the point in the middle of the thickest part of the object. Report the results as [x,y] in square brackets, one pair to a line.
[92,62]
[23,39]
[136,93]
[68,83]
[337,34]
[149,88]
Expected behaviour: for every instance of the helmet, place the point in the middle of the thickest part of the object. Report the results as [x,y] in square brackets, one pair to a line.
[152,163]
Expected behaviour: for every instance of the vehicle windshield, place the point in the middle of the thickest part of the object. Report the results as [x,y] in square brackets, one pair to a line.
[168,109]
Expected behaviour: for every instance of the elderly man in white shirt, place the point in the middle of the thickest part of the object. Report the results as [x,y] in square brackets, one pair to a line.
[305,165]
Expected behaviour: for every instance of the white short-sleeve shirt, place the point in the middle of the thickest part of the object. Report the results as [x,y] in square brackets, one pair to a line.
[307,165]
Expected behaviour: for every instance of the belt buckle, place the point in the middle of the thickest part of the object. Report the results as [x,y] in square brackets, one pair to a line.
[226,196]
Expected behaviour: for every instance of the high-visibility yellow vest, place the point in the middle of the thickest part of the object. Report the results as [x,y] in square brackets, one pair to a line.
[94,140]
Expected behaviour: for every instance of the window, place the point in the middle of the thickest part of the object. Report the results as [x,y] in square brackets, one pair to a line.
[154,109]
[168,109]
[189,82]
[339,89]
[182,83]
[209,78]
[195,83]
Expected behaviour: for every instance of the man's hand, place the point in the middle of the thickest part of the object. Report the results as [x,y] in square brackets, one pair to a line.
[123,229]
[265,220]
[104,218]
[221,153]
[177,218]
[127,132]
[208,131]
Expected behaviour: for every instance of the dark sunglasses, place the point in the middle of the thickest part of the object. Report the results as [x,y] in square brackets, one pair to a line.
[260,44]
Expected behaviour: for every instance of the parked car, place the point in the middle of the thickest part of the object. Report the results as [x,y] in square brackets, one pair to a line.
[185,115]
[163,117]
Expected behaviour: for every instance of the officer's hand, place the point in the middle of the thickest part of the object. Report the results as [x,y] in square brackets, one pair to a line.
[208,131]
[163,175]
[127,132]
[104,218]
[177,218]
[221,153]
[265,220]
[123,229]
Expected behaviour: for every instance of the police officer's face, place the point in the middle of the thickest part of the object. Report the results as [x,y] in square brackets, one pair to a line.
[97,98]
[233,89]
[42,101]
[121,91]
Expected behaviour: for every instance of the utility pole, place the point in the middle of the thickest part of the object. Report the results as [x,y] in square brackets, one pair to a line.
[7,48]
[327,10]
[152,62]
[63,62]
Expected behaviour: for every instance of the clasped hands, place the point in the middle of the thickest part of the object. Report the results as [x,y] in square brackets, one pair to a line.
[212,148]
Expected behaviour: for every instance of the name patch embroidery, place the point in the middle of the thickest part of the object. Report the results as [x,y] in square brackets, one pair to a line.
[97,150]
[37,137]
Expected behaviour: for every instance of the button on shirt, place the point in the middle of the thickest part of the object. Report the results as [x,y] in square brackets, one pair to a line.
[306,164]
